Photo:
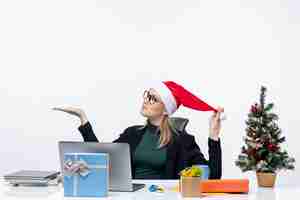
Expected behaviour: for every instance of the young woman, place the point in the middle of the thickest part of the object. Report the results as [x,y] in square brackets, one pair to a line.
[162,147]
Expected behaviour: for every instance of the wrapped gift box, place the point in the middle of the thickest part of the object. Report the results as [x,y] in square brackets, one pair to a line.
[225,186]
[86,174]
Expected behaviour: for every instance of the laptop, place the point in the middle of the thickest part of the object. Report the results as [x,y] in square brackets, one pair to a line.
[120,177]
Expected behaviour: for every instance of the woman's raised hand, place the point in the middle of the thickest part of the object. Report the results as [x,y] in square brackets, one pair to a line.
[215,124]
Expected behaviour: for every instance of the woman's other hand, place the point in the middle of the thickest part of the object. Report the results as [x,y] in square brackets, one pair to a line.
[78,112]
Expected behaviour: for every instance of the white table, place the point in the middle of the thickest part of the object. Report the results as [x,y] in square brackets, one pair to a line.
[8,192]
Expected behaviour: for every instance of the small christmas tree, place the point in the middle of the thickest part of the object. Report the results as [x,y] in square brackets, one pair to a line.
[262,151]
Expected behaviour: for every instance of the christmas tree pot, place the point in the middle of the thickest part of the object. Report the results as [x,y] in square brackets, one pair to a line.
[265,179]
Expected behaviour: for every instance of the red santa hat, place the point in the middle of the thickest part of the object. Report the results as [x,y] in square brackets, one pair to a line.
[173,95]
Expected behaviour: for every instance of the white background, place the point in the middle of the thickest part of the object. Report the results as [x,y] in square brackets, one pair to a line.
[100,54]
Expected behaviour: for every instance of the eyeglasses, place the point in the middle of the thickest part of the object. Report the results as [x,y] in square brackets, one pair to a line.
[150,98]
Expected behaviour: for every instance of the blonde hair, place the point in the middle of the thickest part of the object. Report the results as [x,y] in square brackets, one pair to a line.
[165,132]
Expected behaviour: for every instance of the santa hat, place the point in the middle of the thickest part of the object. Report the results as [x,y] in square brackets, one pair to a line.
[173,95]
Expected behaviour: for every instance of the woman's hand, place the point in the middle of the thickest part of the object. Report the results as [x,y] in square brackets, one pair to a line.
[74,111]
[215,124]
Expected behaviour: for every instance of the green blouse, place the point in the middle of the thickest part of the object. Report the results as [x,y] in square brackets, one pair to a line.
[149,160]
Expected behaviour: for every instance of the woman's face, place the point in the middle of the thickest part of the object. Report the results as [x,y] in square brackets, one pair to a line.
[153,106]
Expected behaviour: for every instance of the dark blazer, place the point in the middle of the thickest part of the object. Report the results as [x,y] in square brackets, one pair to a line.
[182,152]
